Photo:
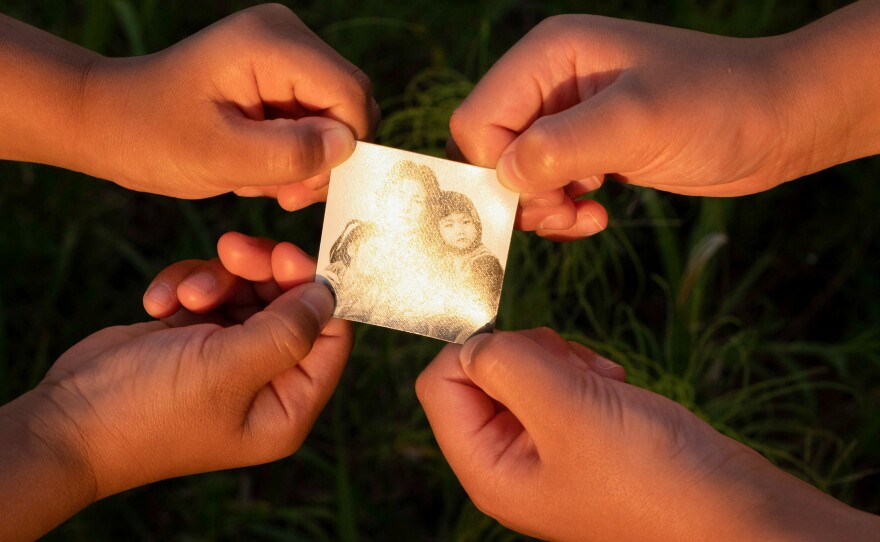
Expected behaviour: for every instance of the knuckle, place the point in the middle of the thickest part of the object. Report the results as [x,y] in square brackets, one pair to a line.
[539,149]
[257,19]
[297,160]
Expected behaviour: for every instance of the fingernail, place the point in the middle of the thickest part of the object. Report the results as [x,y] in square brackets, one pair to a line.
[509,174]
[202,282]
[319,299]
[338,144]
[160,294]
[555,222]
[591,225]
[249,192]
[467,351]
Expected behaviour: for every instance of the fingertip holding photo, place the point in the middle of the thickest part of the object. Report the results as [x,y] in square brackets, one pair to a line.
[416,243]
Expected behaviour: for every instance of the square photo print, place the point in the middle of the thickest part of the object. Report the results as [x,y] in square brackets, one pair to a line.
[416,243]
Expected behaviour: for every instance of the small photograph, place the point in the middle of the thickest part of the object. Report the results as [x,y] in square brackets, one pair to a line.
[416,243]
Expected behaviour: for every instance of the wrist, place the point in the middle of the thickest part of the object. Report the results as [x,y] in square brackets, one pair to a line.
[762,502]
[44,465]
[100,146]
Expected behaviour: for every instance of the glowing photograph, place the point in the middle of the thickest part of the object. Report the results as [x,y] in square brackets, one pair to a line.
[416,243]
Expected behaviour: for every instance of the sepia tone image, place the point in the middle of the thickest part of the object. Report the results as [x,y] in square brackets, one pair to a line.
[416,243]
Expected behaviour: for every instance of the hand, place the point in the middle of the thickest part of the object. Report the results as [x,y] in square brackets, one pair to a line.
[255,103]
[677,110]
[135,404]
[249,273]
[546,437]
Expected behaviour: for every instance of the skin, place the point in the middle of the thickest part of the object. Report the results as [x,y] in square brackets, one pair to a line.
[546,437]
[232,375]
[581,97]
[255,103]
[458,230]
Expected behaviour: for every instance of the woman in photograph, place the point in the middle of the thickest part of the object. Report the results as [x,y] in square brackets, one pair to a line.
[377,289]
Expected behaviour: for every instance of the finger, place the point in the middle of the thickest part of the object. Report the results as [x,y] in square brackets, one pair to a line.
[297,196]
[207,287]
[284,411]
[472,431]
[543,199]
[284,151]
[590,219]
[604,134]
[272,340]
[508,99]
[291,266]
[453,152]
[601,366]
[160,299]
[268,291]
[576,189]
[527,378]
[551,341]
[245,256]
[560,217]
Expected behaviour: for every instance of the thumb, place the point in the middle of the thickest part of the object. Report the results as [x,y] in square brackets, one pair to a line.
[272,340]
[534,383]
[283,151]
[607,133]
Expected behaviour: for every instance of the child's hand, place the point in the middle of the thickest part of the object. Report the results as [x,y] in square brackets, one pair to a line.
[151,401]
[255,103]
[582,96]
[546,437]
[249,273]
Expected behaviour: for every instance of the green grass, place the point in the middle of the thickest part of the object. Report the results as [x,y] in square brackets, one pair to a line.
[759,313]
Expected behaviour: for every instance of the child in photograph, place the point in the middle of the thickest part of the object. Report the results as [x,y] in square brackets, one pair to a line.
[474,274]
[461,232]
[345,275]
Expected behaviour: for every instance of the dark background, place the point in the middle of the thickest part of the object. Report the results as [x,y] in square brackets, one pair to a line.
[759,313]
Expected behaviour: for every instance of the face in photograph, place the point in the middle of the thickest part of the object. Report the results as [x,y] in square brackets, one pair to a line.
[406,196]
[458,230]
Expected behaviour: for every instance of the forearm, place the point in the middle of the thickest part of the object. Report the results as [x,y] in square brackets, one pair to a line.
[41,105]
[42,482]
[761,502]
[835,82]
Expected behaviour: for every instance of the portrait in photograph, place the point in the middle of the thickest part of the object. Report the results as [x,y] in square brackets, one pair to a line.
[416,243]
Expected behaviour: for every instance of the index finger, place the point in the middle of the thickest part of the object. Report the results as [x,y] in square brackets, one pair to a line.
[535,77]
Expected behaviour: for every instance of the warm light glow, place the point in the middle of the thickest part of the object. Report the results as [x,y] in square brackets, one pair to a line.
[393,264]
